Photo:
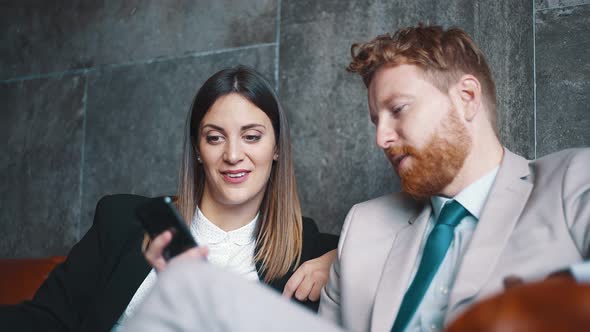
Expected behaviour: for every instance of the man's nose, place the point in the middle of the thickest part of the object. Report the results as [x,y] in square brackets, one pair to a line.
[386,135]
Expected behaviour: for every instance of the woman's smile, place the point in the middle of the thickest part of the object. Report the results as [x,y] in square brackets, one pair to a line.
[235,176]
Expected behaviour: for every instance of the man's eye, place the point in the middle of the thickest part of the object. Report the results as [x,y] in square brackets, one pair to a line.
[252,138]
[399,108]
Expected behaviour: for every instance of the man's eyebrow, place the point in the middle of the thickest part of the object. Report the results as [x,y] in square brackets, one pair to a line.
[390,98]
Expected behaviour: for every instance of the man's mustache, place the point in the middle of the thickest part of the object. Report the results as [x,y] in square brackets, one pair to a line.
[394,151]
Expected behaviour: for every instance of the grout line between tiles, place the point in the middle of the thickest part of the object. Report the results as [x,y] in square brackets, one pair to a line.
[559,7]
[82,152]
[127,64]
[277,45]
[534,81]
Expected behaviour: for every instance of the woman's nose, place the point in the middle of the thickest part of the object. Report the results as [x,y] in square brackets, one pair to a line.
[233,152]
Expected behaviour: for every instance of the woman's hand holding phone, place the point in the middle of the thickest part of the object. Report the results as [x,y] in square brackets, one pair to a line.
[170,237]
[154,253]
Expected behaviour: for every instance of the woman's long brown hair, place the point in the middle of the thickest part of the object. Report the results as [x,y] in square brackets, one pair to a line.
[279,238]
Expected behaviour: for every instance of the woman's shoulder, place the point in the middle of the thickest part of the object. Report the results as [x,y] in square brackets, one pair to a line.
[116,211]
[117,201]
[309,226]
[316,243]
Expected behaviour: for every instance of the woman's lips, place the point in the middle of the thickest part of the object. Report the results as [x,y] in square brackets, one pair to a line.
[234,177]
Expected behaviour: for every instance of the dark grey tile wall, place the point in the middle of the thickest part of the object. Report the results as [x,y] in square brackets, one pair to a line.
[41,130]
[504,31]
[563,73]
[135,122]
[337,162]
[47,36]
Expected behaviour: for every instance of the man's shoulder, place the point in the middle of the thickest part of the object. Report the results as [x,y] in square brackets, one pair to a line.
[565,156]
[373,225]
[397,201]
[562,162]
[389,211]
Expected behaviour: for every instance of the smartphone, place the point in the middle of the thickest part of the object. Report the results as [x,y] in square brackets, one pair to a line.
[160,214]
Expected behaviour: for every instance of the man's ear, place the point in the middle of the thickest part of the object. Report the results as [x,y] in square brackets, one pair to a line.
[469,93]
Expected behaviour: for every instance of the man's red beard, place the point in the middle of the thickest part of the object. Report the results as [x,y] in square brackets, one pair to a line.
[436,165]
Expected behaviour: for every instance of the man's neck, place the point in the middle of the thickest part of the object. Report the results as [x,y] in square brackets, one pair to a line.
[479,162]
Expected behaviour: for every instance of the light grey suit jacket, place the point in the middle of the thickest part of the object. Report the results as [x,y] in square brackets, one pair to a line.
[536,220]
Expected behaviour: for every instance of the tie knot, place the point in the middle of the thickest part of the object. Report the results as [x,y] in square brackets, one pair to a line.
[452,213]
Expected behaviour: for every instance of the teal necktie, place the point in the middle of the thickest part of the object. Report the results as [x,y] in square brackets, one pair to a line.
[435,250]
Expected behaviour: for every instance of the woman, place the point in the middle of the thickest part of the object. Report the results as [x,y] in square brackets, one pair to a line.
[237,191]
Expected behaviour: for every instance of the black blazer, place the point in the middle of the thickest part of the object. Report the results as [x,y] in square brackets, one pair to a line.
[91,289]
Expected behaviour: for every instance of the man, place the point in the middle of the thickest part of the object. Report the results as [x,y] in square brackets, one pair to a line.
[432,99]
[471,213]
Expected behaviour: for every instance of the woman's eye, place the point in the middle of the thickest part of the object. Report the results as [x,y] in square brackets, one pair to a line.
[252,138]
[214,139]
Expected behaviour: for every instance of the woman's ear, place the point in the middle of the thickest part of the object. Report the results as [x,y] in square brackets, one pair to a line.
[197,153]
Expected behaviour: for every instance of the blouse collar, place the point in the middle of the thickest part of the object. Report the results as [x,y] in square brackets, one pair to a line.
[210,233]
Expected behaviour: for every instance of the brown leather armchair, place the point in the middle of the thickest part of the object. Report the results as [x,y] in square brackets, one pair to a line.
[556,304]
[20,278]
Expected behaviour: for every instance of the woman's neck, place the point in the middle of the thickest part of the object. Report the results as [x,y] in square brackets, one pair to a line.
[228,217]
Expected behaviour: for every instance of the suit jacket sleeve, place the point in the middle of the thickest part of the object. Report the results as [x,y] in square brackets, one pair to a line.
[576,199]
[64,299]
[330,304]
[60,302]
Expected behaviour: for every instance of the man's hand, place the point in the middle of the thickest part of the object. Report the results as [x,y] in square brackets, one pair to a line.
[153,253]
[308,280]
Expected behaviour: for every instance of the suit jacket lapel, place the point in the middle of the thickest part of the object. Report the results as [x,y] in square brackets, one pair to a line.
[396,273]
[504,205]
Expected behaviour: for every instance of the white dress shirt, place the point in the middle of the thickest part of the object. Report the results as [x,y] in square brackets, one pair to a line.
[581,272]
[430,313]
[233,250]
